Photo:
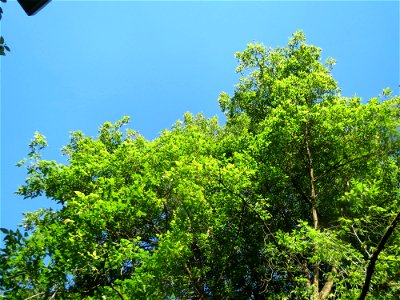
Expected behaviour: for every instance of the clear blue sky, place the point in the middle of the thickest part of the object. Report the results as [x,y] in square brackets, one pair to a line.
[77,64]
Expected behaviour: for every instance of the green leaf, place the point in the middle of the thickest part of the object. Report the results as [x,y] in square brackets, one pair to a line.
[4,230]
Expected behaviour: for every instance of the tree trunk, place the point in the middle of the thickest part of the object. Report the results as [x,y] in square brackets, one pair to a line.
[313,201]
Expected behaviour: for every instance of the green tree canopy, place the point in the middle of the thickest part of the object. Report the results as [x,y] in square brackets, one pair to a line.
[296,197]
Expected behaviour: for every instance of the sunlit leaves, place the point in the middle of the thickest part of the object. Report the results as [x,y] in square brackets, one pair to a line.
[224,212]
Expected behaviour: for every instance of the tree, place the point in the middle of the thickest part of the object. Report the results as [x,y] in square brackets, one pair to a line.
[296,197]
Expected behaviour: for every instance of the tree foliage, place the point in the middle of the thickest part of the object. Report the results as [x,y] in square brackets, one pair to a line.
[296,197]
[3,45]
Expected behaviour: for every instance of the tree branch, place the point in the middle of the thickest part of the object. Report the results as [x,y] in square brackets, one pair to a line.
[118,292]
[340,163]
[324,293]
[36,295]
[361,243]
[374,257]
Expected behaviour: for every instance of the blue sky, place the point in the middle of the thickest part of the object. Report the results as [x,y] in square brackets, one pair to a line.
[77,64]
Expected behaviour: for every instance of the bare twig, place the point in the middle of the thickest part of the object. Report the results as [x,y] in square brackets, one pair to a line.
[361,243]
[34,296]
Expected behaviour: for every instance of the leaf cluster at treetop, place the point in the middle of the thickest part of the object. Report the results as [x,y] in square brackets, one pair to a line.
[296,197]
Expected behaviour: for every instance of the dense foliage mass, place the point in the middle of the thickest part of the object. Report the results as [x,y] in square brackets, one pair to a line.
[296,197]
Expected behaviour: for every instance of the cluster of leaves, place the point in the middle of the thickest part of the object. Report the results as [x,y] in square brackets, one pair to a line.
[291,199]
[3,45]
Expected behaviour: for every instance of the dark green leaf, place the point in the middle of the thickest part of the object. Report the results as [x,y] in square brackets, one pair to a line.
[4,230]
